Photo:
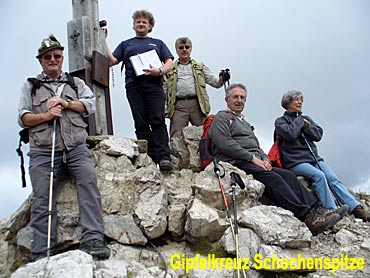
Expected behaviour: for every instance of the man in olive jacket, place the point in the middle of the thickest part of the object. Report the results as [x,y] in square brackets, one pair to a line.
[234,141]
[187,99]
[54,109]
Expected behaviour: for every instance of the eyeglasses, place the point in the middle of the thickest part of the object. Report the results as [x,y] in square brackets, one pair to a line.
[181,47]
[49,56]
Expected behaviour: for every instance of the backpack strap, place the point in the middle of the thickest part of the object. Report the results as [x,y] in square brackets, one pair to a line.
[71,82]
[23,137]
[230,116]
[36,84]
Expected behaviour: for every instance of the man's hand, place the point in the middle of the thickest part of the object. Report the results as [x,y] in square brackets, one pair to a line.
[55,112]
[55,101]
[224,75]
[267,165]
[153,71]
[263,164]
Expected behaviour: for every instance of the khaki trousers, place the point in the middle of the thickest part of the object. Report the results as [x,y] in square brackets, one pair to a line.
[186,111]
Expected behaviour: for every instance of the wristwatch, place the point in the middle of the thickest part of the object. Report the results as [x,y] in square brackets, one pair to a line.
[160,72]
[68,104]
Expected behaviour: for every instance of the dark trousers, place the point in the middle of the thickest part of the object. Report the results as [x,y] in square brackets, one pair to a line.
[147,102]
[283,188]
[80,165]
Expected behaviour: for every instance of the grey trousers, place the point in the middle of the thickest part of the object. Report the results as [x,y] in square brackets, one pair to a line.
[79,164]
[186,110]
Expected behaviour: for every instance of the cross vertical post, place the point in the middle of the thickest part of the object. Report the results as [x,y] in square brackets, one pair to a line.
[87,60]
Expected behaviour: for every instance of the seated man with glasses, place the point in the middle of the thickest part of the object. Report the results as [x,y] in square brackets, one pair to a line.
[187,99]
[238,145]
[54,108]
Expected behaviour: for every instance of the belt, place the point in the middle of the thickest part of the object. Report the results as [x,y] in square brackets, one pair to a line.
[187,97]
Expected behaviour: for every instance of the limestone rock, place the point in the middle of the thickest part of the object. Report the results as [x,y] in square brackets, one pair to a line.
[276,226]
[185,148]
[248,242]
[176,219]
[146,212]
[110,269]
[118,146]
[151,211]
[345,237]
[74,264]
[203,221]
[123,229]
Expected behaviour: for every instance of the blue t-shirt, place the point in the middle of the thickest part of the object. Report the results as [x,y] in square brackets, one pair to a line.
[135,46]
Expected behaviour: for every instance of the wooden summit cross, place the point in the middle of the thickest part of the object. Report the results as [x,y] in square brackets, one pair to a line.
[87,60]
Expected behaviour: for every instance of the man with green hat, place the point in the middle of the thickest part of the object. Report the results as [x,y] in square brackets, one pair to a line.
[54,108]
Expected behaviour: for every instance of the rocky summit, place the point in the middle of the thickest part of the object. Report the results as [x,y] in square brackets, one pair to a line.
[174,224]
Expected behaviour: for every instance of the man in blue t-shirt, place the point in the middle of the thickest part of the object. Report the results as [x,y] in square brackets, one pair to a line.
[143,89]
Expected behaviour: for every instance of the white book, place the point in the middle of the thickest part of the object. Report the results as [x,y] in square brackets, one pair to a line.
[143,60]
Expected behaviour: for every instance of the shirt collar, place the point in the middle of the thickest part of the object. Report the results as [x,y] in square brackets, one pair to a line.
[179,62]
[45,77]
[241,117]
[294,114]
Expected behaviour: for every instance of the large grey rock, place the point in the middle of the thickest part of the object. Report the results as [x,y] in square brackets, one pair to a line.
[248,242]
[151,211]
[207,188]
[118,146]
[140,203]
[345,237]
[276,226]
[123,229]
[73,264]
[204,221]
[179,186]
[110,269]
[17,220]
[176,219]
[192,135]
[185,148]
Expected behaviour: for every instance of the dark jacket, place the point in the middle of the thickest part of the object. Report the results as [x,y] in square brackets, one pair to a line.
[233,139]
[293,147]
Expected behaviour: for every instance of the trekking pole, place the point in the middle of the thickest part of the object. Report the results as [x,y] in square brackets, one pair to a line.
[225,73]
[233,181]
[218,174]
[51,187]
[318,165]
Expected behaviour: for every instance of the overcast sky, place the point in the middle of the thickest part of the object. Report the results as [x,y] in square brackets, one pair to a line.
[318,47]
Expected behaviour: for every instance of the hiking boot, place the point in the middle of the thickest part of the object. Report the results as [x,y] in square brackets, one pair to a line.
[342,211]
[165,165]
[360,212]
[96,248]
[318,223]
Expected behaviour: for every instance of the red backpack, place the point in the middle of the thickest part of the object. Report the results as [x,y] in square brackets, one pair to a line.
[274,155]
[205,142]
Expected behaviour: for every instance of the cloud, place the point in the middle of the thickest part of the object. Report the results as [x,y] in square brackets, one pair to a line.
[363,186]
[319,47]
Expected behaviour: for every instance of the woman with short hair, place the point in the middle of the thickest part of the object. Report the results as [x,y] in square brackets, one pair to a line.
[296,134]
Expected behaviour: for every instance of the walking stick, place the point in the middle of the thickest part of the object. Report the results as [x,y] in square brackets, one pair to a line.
[225,73]
[218,174]
[233,181]
[318,165]
[51,187]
